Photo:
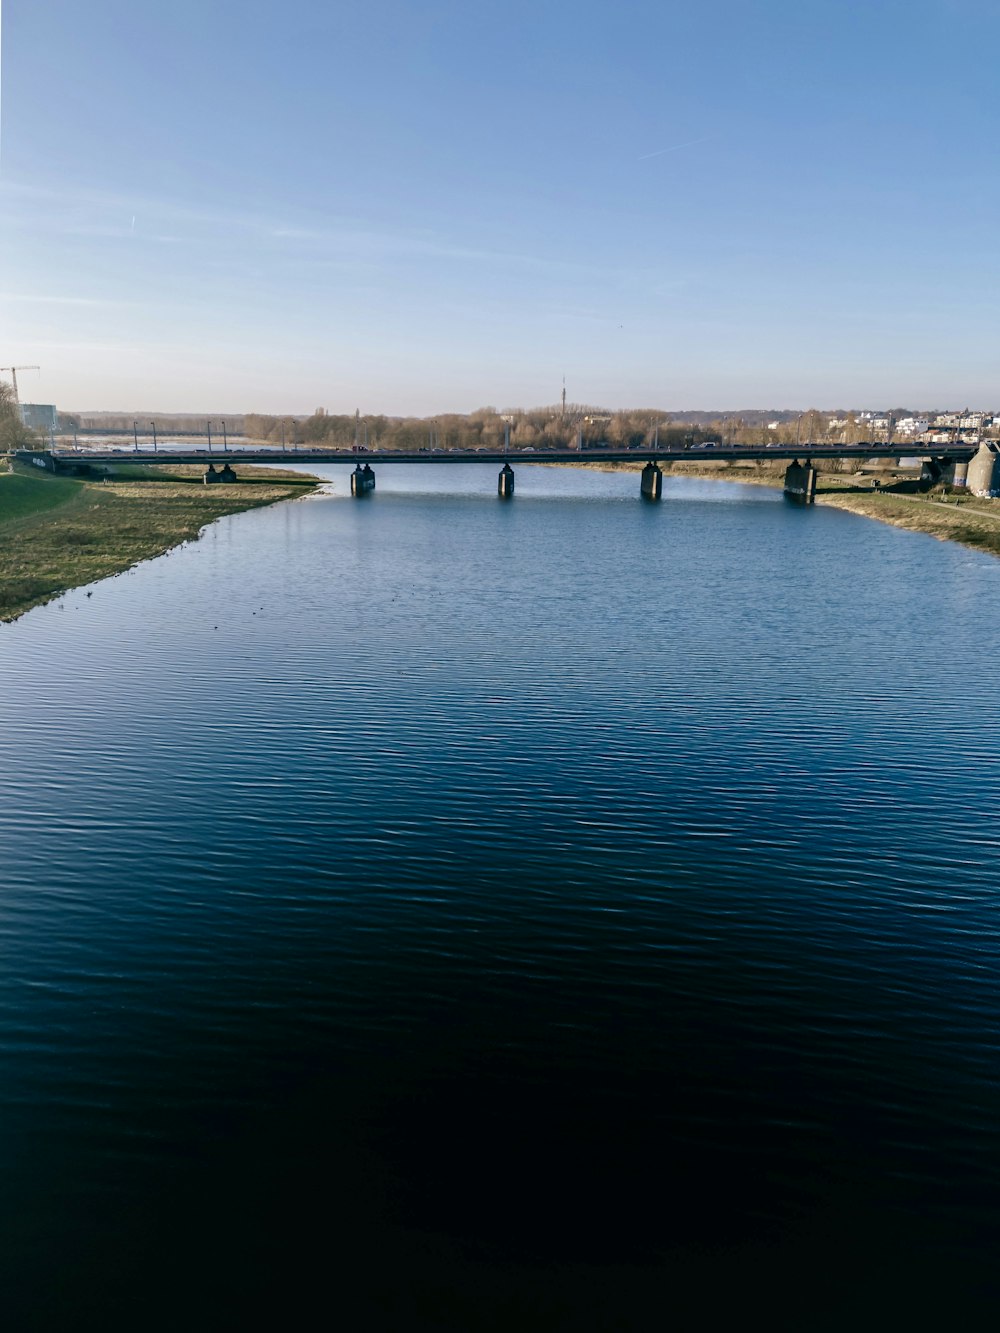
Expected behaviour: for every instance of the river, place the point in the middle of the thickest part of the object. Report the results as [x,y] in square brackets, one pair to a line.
[480,915]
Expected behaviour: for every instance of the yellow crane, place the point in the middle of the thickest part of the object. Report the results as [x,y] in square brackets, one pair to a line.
[13,374]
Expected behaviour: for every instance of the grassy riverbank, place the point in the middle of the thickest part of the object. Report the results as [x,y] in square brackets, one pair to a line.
[966,519]
[58,533]
[940,512]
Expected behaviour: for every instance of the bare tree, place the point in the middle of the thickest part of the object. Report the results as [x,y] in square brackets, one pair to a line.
[13,433]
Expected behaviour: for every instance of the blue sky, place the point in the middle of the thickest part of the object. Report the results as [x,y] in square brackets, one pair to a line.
[429,207]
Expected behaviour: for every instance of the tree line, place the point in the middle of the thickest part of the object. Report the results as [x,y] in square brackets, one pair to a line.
[486,428]
[579,426]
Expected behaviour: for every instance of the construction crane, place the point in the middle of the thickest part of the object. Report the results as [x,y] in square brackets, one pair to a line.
[13,374]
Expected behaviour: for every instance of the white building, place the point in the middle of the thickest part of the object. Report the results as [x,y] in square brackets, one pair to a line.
[910,426]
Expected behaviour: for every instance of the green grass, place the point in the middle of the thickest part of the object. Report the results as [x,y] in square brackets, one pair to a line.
[22,494]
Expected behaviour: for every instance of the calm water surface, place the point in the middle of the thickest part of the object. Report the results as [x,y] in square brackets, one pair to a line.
[437,913]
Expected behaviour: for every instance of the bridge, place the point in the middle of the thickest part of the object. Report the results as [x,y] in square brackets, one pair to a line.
[800,477]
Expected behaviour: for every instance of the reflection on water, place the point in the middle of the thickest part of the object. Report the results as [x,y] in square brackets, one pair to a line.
[479,915]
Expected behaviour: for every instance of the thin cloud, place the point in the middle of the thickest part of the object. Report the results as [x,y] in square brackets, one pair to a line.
[342,237]
[689,143]
[36,299]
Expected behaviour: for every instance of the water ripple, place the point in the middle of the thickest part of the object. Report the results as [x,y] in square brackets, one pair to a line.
[446,846]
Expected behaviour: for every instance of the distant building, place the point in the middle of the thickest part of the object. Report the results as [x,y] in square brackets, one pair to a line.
[910,426]
[40,416]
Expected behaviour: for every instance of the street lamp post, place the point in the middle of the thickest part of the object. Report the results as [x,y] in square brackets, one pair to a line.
[135,434]
[225,441]
[208,427]
[153,424]
[282,437]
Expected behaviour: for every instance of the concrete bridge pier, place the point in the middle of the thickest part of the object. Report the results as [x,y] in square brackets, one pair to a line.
[362,480]
[505,482]
[800,482]
[961,475]
[937,470]
[651,485]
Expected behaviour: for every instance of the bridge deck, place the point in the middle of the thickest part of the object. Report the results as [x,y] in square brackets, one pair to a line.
[290,456]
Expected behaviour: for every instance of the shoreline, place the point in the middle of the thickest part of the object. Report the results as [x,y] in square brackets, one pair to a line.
[964,520]
[59,533]
[967,520]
